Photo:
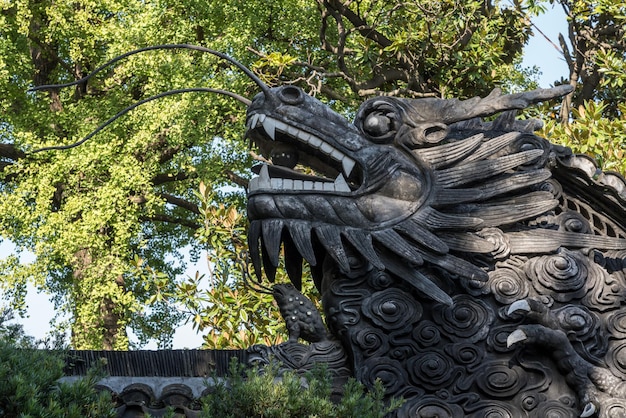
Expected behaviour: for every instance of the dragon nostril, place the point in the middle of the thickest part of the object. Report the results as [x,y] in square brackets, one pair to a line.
[291,95]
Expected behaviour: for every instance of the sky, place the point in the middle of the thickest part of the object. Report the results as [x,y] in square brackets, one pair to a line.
[539,52]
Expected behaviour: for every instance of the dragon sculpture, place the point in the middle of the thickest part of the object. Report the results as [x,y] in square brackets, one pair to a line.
[473,267]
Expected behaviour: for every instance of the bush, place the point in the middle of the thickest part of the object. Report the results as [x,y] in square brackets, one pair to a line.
[260,393]
[29,387]
[29,384]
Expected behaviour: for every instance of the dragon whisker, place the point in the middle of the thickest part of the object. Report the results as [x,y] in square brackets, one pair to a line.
[246,276]
[139,103]
[221,55]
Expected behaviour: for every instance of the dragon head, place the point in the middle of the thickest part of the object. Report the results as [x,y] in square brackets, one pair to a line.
[385,186]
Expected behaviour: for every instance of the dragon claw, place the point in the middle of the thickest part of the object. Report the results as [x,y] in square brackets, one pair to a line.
[515,337]
[588,410]
[519,305]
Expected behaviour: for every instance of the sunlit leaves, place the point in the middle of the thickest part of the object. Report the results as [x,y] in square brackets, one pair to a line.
[590,132]
[107,221]
[85,212]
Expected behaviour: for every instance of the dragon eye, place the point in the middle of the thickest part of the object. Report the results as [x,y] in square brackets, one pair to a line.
[379,122]
[377,125]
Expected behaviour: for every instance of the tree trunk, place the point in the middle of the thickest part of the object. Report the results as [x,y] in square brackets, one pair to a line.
[105,331]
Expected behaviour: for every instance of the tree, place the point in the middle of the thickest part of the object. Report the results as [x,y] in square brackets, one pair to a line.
[106,220]
[87,212]
[593,116]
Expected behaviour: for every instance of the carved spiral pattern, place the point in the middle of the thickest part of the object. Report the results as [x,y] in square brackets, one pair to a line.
[379,280]
[616,358]
[562,276]
[371,341]
[530,401]
[607,292]
[402,353]
[551,186]
[552,409]
[617,324]
[391,374]
[529,142]
[475,288]
[496,410]
[427,334]
[577,321]
[573,222]
[501,245]
[499,380]
[466,320]
[432,407]
[392,309]
[432,368]
[508,285]
[613,408]
[466,354]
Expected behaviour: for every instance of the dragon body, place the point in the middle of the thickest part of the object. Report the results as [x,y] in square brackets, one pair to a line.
[473,267]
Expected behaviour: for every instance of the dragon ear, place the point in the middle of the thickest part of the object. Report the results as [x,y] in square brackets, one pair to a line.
[423,133]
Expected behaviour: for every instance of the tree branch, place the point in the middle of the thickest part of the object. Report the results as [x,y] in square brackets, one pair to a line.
[361,26]
[163,178]
[11,152]
[236,178]
[181,203]
[171,220]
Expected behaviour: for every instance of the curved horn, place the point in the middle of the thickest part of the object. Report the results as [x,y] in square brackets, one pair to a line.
[453,110]
[495,102]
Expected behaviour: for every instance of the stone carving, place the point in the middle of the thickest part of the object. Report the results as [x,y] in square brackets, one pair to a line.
[302,318]
[473,267]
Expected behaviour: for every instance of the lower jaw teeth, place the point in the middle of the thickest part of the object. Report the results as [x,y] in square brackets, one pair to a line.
[257,183]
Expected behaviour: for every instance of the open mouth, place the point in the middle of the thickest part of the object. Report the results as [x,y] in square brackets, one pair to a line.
[300,161]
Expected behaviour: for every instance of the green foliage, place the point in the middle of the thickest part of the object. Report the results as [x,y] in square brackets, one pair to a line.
[593,134]
[29,384]
[262,393]
[87,213]
[224,305]
[107,221]
[594,49]
[592,119]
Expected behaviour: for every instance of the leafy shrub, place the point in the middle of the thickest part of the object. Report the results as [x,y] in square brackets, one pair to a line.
[29,384]
[30,387]
[261,393]
[591,133]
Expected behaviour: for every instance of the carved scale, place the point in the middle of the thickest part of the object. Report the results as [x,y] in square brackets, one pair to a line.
[474,268]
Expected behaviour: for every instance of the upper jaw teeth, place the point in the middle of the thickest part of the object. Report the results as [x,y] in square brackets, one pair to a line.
[271,125]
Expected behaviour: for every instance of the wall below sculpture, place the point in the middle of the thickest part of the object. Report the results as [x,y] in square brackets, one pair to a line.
[150,382]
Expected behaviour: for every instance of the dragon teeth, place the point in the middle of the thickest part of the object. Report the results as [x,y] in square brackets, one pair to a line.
[314,141]
[348,165]
[271,125]
[340,184]
[264,182]
[326,148]
[264,177]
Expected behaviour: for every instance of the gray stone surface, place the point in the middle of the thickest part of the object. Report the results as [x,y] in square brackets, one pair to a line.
[472,266]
